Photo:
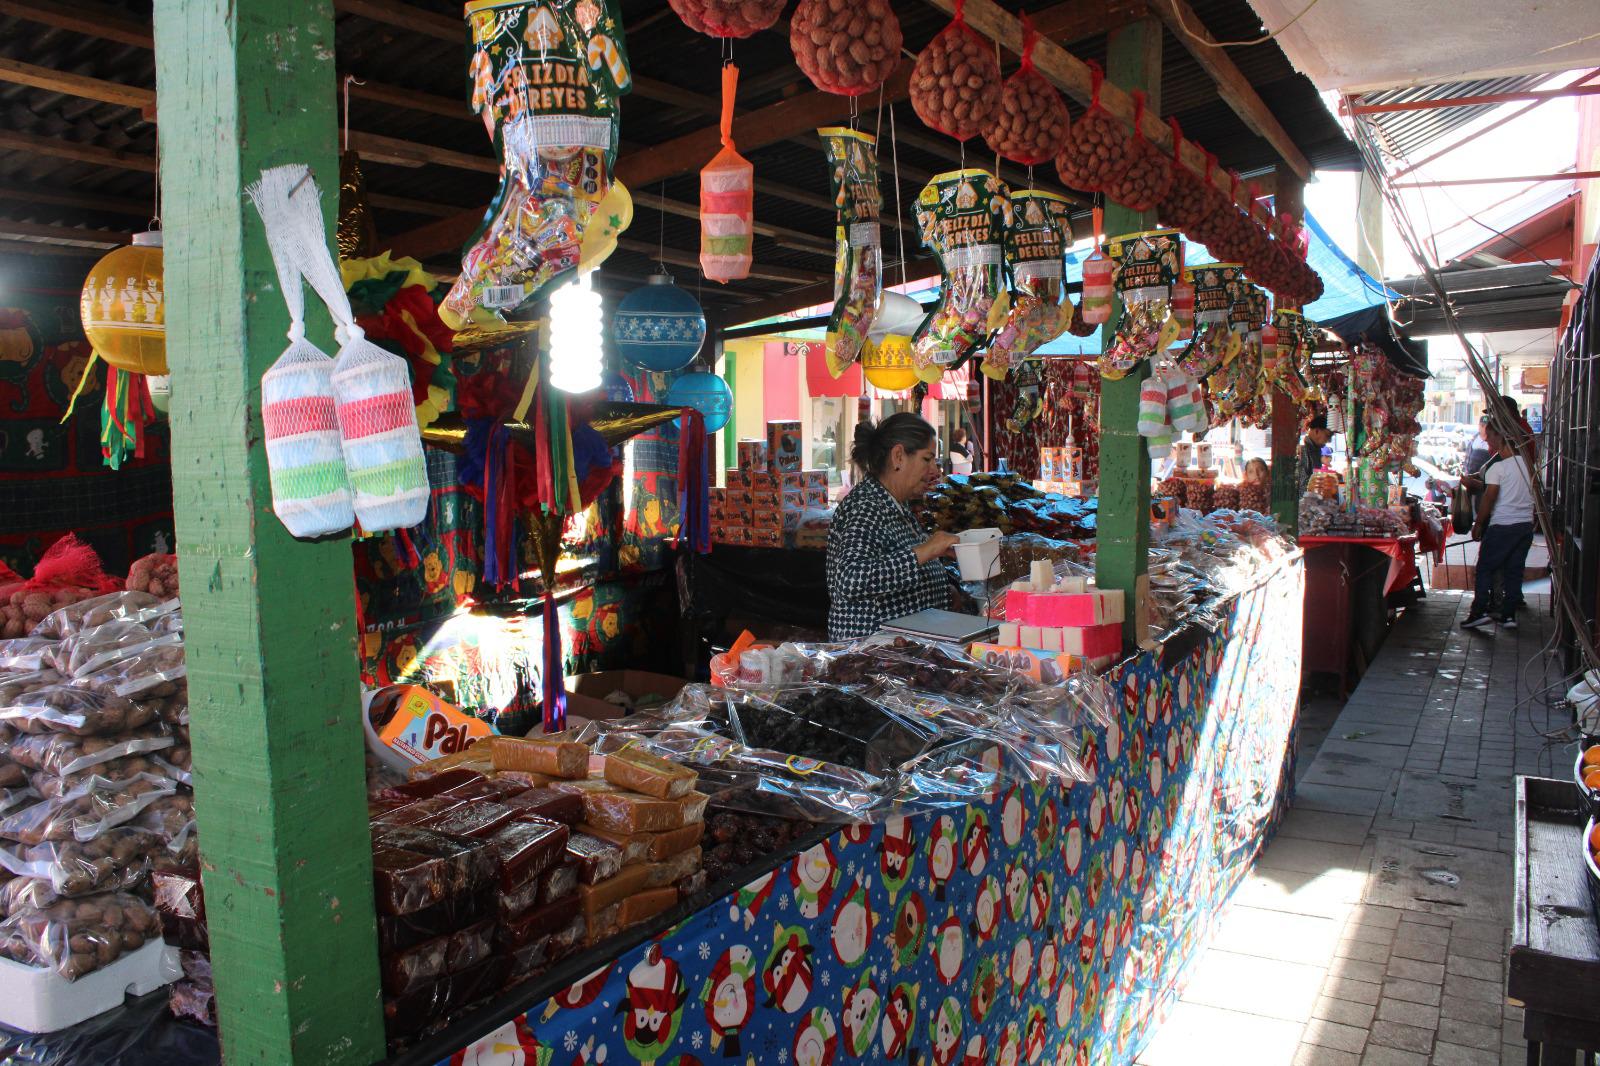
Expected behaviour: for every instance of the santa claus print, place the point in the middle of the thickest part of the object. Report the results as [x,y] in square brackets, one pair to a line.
[1089,1007]
[1049,965]
[1115,799]
[985,987]
[730,997]
[859,1019]
[1035,1033]
[909,929]
[816,1040]
[652,1006]
[899,1018]
[977,1052]
[1021,966]
[814,874]
[944,1030]
[1119,861]
[787,977]
[1066,1000]
[1016,890]
[1071,912]
[1013,817]
[853,922]
[1099,808]
[895,854]
[1009,1052]
[512,1044]
[1088,942]
[942,847]
[580,993]
[748,901]
[948,948]
[1072,846]
[975,842]
[1096,879]
[1113,741]
[1044,833]
[986,909]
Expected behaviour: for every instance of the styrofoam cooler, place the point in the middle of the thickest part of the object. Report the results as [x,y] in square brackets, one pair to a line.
[34,999]
[977,552]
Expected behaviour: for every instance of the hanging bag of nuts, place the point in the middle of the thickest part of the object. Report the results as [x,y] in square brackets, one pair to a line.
[1096,146]
[1186,202]
[728,18]
[1146,174]
[1032,122]
[1230,240]
[955,85]
[847,47]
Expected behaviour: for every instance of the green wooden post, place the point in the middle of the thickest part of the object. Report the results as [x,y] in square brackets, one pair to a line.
[730,432]
[271,631]
[1290,198]
[1122,556]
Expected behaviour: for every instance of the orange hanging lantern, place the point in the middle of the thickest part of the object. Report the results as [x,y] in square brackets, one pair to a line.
[727,200]
[123,307]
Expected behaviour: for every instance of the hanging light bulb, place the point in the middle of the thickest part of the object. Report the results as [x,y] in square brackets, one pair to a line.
[575,331]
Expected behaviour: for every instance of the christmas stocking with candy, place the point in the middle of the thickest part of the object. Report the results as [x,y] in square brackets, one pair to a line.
[547,78]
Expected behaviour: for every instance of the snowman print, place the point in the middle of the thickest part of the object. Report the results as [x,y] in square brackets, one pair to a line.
[986,909]
[948,948]
[852,925]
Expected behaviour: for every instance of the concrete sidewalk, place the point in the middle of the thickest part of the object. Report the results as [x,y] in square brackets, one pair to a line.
[1373,930]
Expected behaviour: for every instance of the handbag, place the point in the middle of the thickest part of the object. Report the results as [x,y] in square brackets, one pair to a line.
[1461,508]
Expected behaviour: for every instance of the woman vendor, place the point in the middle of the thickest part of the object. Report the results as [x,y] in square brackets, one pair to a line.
[881,564]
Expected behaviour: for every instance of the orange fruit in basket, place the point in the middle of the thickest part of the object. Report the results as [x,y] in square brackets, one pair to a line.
[1594,838]
[1591,778]
[1591,757]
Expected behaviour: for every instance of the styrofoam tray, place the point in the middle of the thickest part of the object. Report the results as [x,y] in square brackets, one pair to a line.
[37,1000]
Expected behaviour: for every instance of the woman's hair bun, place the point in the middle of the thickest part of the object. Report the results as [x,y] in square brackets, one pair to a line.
[873,444]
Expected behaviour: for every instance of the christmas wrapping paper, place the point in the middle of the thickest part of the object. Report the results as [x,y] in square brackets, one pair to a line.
[1048,925]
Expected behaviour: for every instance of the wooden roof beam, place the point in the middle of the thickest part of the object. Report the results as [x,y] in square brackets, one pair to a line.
[26,248]
[12,141]
[918,269]
[678,257]
[46,232]
[1234,88]
[86,18]
[78,85]
[85,201]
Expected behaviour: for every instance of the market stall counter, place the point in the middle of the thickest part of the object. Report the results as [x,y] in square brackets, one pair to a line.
[1349,580]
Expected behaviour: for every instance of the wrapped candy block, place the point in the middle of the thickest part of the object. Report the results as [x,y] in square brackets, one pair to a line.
[1010,632]
[1075,609]
[1092,642]
[1045,667]
[1029,637]
[1049,639]
[1017,604]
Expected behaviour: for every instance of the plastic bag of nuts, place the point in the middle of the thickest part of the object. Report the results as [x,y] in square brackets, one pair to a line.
[15,686]
[68,709]
[848,47]
[93,650]
[52,786]
[24,654]
[112,607]
[1096,147]
[156,670]
[92,808]
[1146,174]
[76,937]
[1186,202]
[955,84]
[728,18]
[62,753]
[1031,122]
[117,860]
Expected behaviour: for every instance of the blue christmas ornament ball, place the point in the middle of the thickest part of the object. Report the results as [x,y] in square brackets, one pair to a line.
[616,388]
[707,394]
[659,327]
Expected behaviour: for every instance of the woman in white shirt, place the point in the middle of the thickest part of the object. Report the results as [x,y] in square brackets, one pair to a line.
[1505,529]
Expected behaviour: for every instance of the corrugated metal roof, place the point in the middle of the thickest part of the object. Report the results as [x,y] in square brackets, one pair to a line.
[1403,132]
[51,190]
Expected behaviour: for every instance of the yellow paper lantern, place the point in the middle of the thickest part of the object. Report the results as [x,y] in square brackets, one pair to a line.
[123,308]
[888,365]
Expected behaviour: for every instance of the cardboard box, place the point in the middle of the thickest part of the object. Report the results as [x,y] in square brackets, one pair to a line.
[817,498]
[814,480]
[586,693]
[772,518]
[776,500]
[767,538]
[1045,667]
[752,454]
[783,446]
[738,480]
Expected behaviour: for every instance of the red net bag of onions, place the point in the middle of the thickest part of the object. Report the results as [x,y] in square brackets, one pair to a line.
[1097,145]
[847,47]
[955,85]
[728,18]
[1032,122]
[1146,174]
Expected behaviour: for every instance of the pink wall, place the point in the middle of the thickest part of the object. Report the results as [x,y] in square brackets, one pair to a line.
[781,383]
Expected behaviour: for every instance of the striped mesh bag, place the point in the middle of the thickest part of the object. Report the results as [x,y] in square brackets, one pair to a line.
[382,445]
[305,462]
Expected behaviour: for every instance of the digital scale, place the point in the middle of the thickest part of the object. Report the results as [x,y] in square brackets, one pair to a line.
[946,626]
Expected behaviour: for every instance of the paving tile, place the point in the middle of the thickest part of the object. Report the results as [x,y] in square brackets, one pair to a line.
[1487,932]
[1456,1055]
[1316,1055]
[1372,934]
[1478,949]
[1310,856]
[1197,1035]
[1277,935]
[1325,894]
[1470,1010]
[1482,969]
[1413,991]
[1478,991]
[1365,951]
[1421,950]
[1326,826]
[1419,927]
[1337,799]
[1388,1056]
[1372,914]
[1357,970]
[1404,1037]
[1332,1034]
[1267,987]
[1413,970]
[1353,991]
[1405,1012]
[1343,1011]
[1469,1034]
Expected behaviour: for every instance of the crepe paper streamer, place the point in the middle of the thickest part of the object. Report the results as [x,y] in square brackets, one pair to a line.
[694,484]
[123,419]
[305,459]
[727,200]
[554,685]
[378,431]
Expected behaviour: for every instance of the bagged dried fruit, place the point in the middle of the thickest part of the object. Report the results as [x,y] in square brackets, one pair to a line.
[955,84]
[155,671]
[90,650]
[1036,249]
[1147,266]
[547,80]
[1031,123]
[69,709]
[1146,174]
[728,18]
[847,47]
[963,217]
[89,810]
[156,574]
[858,265]
[1096,148]
[75,937]
[1185,202]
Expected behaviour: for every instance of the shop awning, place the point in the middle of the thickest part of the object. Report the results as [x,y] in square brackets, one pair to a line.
[1373,325]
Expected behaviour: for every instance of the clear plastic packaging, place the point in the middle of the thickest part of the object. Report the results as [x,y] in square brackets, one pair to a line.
[152,671]
[86,812]
[112,607]
[68,709]
[24,654]
[88,650]
[76,937]
[61,754]
[117,860]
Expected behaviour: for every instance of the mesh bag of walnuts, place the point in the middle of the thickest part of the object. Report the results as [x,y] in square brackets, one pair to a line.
[955,85]
[1146,174]
[1096,147]
[728,18]
[847,47]
[1031,123]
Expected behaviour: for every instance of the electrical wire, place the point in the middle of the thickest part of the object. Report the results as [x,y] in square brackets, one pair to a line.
[1177,14]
